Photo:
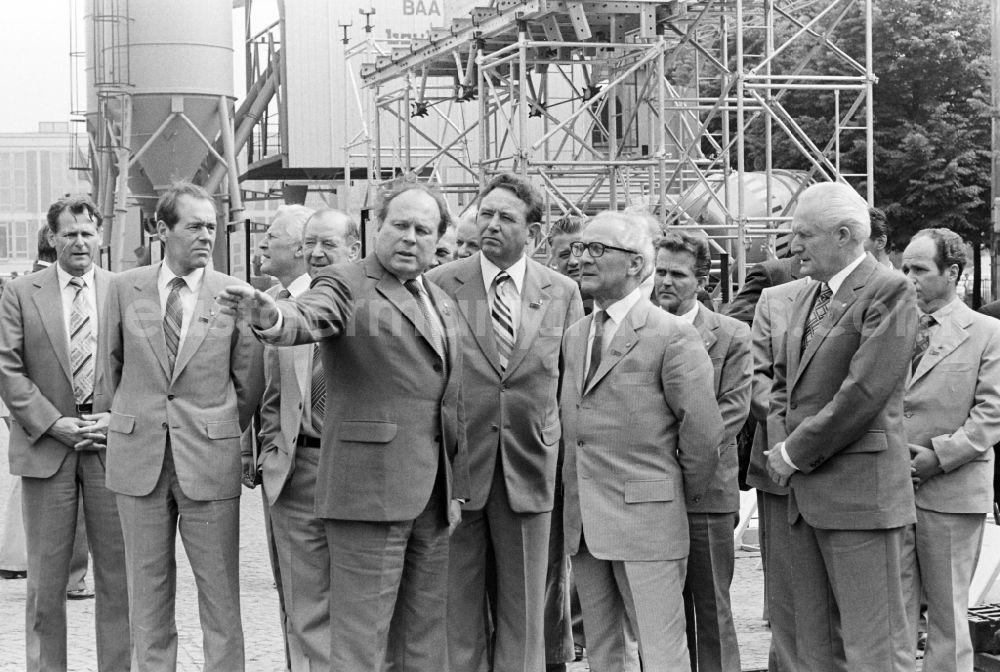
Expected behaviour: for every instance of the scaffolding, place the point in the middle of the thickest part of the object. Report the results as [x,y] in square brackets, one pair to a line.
[633,104]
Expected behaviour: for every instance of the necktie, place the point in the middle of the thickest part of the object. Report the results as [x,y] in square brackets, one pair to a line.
[923,340]
[81,346]
[819,310]
[503,323]
[597,348]
[437,340]
[318,387]
[173,317]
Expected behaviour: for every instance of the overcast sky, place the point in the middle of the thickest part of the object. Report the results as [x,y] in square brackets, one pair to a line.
[34,50]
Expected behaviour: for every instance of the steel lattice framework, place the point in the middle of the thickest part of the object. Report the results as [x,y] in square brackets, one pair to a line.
[633,104]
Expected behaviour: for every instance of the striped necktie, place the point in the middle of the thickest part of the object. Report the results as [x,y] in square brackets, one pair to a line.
[423,303]
[503,323]
[173,318]
[923,340]
[318,389]
[82,345]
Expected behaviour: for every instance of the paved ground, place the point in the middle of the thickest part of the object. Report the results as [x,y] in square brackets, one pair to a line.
[260,605]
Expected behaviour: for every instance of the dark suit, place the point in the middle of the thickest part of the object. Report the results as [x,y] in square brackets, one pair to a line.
[711,633]
[761,276]
[37,385]
[392,457]
[952,406]
[513,432]
[837,405]
[770,324]
[642,441]
[174,459]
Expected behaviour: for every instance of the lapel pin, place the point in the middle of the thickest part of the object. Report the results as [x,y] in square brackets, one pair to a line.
[535,304]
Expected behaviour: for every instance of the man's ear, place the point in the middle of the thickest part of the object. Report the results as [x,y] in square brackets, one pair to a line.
[535,231]
[355,250]
[161,230]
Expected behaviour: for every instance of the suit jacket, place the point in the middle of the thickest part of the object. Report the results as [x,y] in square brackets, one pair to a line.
[952,405]
[727,341]
[992,309]
[394,418]
[766,274]
[515,412]
[204,404]
[641,439]
[281,413]
[770,324]
[838,405]
[36,380]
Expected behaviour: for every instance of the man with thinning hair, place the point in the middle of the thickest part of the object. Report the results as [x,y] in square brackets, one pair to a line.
[642,432]
[836,434]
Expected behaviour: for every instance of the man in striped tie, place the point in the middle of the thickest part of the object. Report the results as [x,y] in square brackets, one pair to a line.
[513,313]
[50,346]
[835,427]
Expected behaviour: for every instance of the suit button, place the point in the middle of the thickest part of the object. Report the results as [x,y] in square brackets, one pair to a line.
[503,388]
[437,368]
[437,439]
[493,428]
[165,426]
[170,397]
[907,415]
[793,405]
[579,443]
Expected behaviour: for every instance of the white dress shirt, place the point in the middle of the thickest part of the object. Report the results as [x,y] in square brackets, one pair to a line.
[512,292]
[189,295]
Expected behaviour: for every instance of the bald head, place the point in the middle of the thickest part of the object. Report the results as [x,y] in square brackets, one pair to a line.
[330,237]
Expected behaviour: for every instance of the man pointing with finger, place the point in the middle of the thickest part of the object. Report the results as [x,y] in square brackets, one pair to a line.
[392,450]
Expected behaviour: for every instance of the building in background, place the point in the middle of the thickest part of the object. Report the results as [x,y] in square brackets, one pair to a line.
[35,169]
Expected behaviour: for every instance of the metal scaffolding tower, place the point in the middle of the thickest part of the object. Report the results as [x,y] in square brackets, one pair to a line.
[634,104]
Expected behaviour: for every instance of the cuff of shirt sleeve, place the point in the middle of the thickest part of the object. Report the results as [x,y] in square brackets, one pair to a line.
[784,456]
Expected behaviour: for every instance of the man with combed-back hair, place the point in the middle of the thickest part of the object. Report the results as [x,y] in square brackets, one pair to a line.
[183,381]
[836,432]
[952,419]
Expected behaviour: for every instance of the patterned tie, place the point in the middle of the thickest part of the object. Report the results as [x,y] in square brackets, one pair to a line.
[82,346]
[437,340]
[597,348]
[819,311]
[173,317]
[923,340]
[284,294]
[503,323]
[318,387]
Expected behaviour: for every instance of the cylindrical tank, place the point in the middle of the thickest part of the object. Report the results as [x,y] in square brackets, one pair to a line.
[170,57]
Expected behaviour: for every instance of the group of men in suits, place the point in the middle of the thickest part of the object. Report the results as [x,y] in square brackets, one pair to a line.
[874,454]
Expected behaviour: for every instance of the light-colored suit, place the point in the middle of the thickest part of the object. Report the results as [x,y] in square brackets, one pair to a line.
[837,404]
[392,456]
[642,444]
[770,324]
[174,459]
[512,420]
[711,633]
[289,480]
[37,384]
[952,405]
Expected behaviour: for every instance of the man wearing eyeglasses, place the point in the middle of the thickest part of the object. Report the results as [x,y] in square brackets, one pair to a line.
[514,312]
[642,429]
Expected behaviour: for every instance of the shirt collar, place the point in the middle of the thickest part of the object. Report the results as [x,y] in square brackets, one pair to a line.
[620,308]
[299,285]
[192,279]
[515,271]
[945,310]
[64,277]
[691,314]
[838,278]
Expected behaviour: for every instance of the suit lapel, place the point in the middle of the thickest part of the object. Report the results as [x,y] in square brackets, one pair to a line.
[201,320]
[48,301]
[624,340]
[101,280]
[148,295]
[392,289]
[706,325]
[443,305]
[535,302]
[475,308]
[950,334]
